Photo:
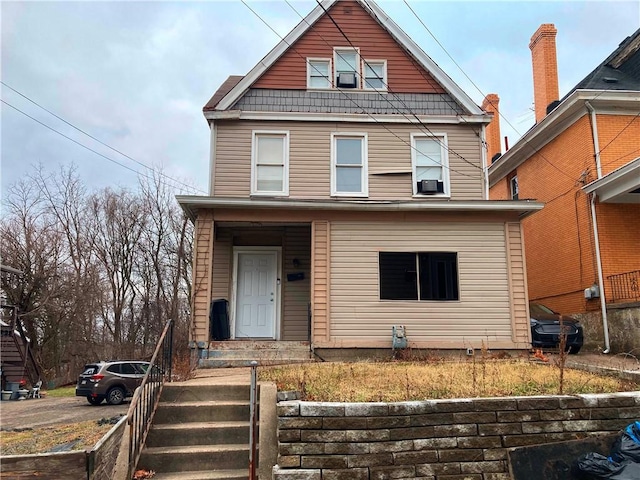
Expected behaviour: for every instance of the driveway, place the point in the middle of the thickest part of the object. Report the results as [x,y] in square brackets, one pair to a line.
[39,412]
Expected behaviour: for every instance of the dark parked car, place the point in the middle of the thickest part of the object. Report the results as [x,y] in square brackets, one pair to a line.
[113,381]
[545,329]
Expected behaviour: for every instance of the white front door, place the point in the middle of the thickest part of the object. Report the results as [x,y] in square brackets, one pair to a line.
[256,298]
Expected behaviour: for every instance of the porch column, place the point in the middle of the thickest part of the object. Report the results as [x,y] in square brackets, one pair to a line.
[320,284]
[202,274]
[519,301]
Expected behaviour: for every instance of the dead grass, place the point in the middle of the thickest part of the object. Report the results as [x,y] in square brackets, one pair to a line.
[403,381]
[40,440]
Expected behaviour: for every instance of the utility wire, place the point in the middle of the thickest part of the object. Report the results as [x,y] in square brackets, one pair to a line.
[425,127]
[97,140]
[349,97]
[381,92]
[89,148]
[536,151]
[620,132]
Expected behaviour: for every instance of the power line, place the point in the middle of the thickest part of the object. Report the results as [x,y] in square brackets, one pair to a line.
[482,93]
[380,93]
[387,86]
[88,148]
[96,139]
[348,96]
[620,133]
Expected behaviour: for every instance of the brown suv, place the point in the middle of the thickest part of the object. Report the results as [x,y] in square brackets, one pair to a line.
[113,381]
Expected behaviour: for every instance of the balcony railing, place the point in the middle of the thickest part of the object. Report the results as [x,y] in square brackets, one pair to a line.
[625,287]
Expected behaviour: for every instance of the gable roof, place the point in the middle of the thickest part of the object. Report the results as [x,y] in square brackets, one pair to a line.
[384,20]
[223,89]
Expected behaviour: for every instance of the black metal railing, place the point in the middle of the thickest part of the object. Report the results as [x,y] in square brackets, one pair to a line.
[145,400]
[625,286]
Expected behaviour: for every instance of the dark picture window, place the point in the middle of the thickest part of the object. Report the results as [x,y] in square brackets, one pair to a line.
[418,276]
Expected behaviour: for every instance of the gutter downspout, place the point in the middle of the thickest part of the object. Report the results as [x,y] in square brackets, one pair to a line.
[596,144]
[485,167]
[603,302]
[212,155]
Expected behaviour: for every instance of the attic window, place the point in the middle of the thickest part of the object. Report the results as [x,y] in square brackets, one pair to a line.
[318,73]
[347,70]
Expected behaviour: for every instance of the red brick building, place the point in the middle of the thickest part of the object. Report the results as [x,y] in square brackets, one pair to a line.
[582,159]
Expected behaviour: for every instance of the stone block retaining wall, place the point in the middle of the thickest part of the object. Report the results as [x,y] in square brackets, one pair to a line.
[463,439]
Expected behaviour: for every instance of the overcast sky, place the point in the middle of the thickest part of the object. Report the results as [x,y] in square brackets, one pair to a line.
[135,75]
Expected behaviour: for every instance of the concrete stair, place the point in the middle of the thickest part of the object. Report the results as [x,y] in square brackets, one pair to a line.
[240,353]
[199,433]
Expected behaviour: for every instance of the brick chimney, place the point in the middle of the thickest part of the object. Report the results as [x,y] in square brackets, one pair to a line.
[545,68]
[490,105]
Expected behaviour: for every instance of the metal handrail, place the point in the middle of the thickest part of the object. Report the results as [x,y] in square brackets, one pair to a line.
[146,397]
[253,421]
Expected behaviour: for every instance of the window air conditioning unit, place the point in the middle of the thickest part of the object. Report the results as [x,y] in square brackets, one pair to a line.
[430,187]
[347,80]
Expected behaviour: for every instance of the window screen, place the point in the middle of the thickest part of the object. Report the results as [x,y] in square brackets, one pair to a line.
[398,280]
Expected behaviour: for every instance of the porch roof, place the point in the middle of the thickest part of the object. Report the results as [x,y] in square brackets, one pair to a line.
[620,186]
[191,203]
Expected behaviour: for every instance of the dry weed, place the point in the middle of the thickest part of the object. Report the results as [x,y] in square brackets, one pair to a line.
[402,381]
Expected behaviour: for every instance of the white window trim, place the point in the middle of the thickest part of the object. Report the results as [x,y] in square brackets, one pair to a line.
[384,74]
[254,159]
[365,162]
[444,155]
[358,66]
[309,69]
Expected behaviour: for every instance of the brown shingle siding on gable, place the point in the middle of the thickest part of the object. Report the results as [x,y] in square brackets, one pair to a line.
[404,74]
[257,99]
[225,88]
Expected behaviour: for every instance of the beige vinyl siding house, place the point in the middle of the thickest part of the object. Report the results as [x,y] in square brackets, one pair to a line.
[334,215]
[389,158]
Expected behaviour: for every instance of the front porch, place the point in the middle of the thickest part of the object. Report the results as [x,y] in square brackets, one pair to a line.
[240,353]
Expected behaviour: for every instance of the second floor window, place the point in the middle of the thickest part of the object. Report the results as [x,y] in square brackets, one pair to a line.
[430,164]
[513,182]
[270,163]
[349,165]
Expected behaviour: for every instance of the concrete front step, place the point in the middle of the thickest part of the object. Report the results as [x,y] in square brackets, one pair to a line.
[240,353]
[195,458]
[246,362]
[259,345]
[198,433]
[240,474]
[204,393]
[209,411]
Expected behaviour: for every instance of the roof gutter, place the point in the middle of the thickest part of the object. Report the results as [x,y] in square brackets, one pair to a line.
[596,143]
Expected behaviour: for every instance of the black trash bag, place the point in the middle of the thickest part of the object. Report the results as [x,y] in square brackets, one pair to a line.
[598,465]
[627,447]
[624,461]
